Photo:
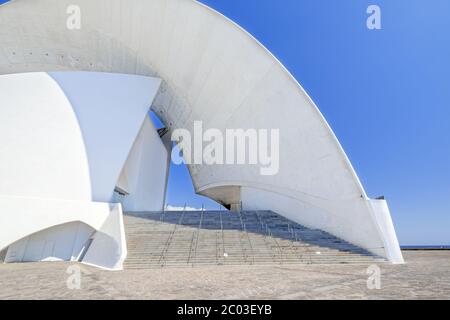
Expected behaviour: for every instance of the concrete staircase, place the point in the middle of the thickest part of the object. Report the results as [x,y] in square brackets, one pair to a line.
[170,239]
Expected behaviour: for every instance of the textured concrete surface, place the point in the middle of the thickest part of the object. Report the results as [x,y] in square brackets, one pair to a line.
[425,276]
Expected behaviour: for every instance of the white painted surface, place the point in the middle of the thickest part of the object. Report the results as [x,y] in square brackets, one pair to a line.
[30,216]
[213,71]
[145,173]
[69,138]
[109,249]
[42,152]
[23,216]
[110,109]
[59,243]
[64,144]
[386,228]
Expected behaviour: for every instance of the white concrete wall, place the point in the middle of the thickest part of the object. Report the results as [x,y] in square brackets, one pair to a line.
[23,216]
[42,151]
[382,216]
[110,109]
[145,173]
[69,136]
[37,219]
[64,141]
[60,243]
[109,248]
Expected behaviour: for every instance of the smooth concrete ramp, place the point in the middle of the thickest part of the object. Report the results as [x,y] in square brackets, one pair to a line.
[170,239]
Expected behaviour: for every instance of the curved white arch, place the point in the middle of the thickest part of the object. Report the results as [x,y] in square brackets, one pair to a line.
[47,214]
[63,242]
[63,147]
[216,72]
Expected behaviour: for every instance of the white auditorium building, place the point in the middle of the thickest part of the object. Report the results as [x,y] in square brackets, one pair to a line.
[76,154]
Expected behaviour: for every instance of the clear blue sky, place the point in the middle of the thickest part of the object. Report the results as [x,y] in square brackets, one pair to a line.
[385,93]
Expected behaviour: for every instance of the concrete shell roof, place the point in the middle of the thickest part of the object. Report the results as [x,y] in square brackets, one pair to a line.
[212,69]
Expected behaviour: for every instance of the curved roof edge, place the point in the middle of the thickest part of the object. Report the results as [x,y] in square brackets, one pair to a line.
[322,117]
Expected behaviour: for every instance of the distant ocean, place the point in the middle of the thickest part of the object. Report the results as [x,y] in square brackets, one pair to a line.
[425,247]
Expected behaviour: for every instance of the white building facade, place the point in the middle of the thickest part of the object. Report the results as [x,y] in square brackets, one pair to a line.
[68,143]
[187,63]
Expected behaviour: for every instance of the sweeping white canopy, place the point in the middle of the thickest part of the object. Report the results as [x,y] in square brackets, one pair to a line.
[213,71]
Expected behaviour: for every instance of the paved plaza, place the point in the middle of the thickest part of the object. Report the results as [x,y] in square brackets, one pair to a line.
[425,276]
